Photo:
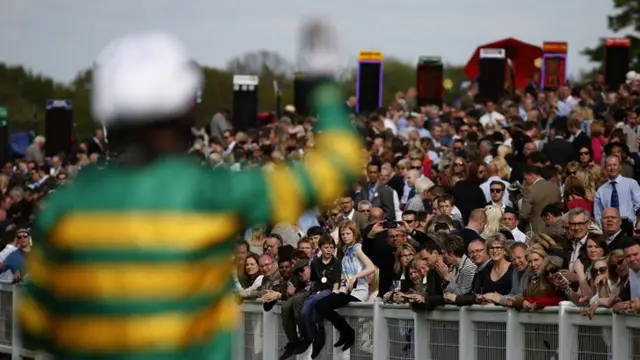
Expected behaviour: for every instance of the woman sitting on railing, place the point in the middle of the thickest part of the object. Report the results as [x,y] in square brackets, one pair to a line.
[539,290]
[252,278]
[356,268]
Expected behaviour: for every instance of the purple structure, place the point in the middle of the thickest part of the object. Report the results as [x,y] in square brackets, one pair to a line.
[367,99]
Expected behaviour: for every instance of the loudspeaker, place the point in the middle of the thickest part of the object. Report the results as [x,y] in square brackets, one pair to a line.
[245,102]
[369,81]
[491,79]
[616,62]
[302,87]
[58,127]
[430,82]
[5,142]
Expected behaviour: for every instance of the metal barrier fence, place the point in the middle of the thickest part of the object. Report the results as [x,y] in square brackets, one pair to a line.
[390,332]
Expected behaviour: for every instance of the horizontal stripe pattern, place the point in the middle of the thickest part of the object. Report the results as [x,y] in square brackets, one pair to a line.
[142,230]
[168,331]
[140,281]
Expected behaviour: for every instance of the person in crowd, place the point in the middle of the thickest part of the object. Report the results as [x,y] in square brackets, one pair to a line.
[538,193]
[619,192]
[252,277]
[553,220]
[380,195]
[349,213]
[475,226]
[457,270]
[539,290]
[354,286]
[612,228]
[510,221]
[325,279]
[291,310]
[497,190]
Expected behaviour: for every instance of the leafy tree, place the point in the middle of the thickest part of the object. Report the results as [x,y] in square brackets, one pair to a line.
[624,21]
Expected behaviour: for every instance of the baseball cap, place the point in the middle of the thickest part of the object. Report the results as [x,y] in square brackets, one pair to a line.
[142,78]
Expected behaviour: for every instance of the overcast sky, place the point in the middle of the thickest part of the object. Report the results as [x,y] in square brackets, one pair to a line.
[61,37]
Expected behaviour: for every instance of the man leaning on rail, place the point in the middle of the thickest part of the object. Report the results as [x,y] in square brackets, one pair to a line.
[141,269]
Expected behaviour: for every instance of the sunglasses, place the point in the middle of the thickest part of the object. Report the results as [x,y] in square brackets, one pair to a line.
[496,191]
[553,270]
[22,236]
[601,270]
[458,164]
[416,167]
[584,153]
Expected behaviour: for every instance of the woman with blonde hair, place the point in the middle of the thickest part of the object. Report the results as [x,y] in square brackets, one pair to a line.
[504,171]
[4,184]
[493,223]
[495,278]
[590,177]
[539,290]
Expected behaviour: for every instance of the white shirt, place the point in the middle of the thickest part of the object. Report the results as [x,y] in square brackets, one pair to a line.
[494,119]
[389,124]
[577,245]
[518,235]
[7,276]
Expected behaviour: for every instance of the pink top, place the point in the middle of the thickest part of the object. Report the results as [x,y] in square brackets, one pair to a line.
[597,143]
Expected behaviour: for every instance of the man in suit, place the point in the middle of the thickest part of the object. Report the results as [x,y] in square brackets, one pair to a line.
[348,212]
[538,193]
[579,138]
[379,194]
[612,228]
[559,151]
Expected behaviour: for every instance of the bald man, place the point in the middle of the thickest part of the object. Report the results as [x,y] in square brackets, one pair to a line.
[612,228]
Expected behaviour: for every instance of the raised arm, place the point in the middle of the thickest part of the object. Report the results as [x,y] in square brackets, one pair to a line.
[282,195]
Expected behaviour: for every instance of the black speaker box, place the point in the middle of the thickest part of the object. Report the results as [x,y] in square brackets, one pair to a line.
[302,86]
[491,78]
[5,144]
[430,84]
[245,107]
[58,130]
[369,87]
[616,65]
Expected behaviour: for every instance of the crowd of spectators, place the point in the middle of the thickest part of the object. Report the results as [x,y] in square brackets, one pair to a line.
[523,202]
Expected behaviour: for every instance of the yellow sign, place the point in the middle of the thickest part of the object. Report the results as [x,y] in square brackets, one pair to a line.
[555,47]
[370,55]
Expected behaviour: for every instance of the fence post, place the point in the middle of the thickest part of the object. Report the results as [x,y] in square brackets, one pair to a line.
[515,336]
[567,338]
[466,336]
[270,325]
[620,344]
[16,340]
[380,333]
[421,336]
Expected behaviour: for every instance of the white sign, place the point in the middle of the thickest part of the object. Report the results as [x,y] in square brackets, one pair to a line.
[492,53]
[245,80]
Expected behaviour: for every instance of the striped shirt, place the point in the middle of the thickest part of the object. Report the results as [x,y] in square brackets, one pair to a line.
[461,277]
[135,262]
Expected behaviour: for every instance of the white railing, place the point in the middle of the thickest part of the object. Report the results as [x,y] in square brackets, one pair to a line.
[389,332]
